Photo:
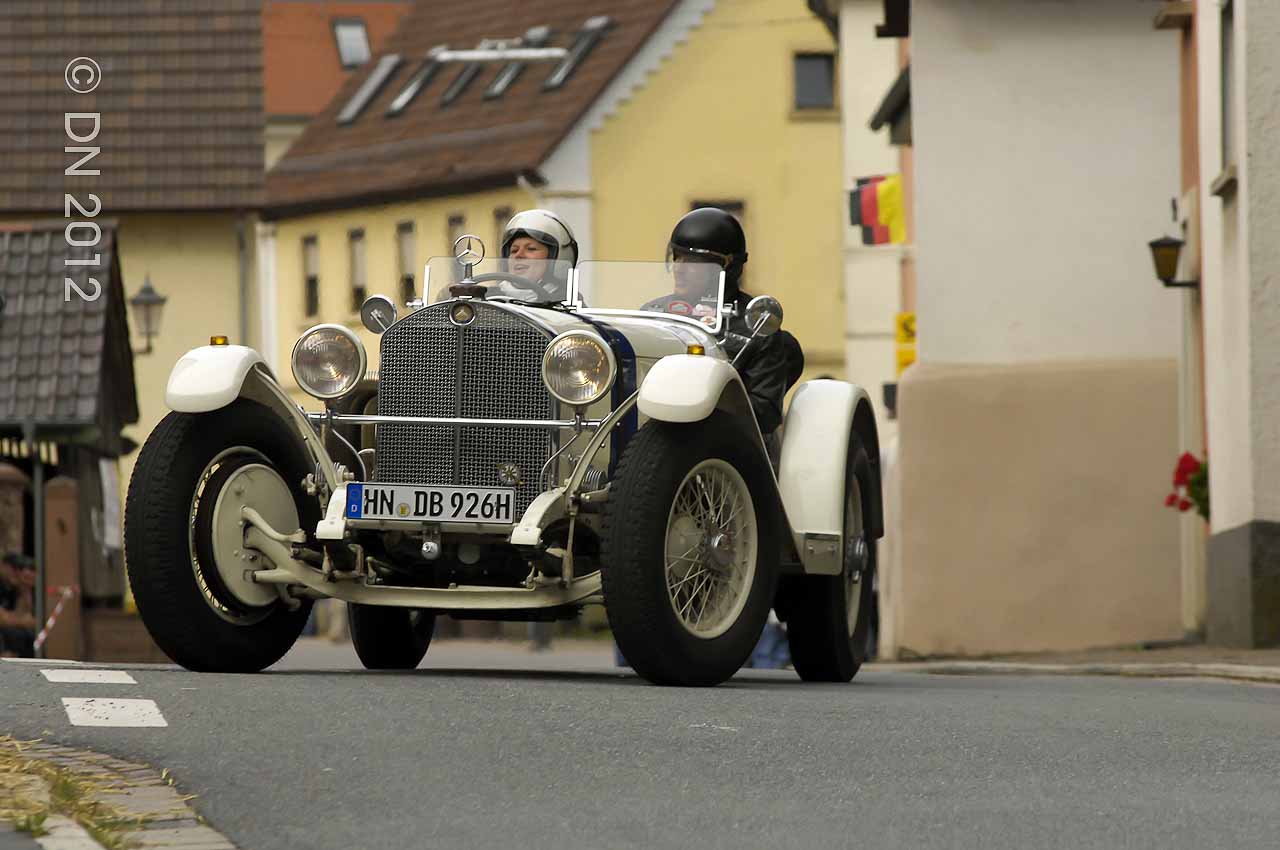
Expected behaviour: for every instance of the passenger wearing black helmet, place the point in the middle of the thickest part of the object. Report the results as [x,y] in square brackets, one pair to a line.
[532,243]
[771,364]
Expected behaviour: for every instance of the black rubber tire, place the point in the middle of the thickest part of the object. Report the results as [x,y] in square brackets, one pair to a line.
[387,638]
[644,624]
[158,554]
[816,612]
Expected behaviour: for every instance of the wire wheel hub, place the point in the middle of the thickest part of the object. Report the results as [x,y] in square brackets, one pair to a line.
[711,548]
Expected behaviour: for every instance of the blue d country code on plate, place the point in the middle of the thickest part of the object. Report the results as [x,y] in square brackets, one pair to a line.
[415,503]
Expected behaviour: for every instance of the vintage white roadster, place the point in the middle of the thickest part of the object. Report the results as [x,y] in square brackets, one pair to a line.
[510,460]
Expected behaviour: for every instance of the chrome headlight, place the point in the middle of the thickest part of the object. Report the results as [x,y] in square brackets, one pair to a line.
[578,368]
[328,361]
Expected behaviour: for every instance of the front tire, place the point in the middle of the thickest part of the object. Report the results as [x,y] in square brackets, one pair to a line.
[387,638]
[828,616]
[182,508]
[689,551]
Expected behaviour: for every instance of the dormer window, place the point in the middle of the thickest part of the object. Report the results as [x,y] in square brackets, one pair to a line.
[353,42]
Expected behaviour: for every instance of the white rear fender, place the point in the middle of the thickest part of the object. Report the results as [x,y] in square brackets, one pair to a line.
[209,377]
[686,387]
[823,418]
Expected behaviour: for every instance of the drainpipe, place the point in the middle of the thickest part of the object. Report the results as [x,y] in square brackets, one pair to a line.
[242,248]
[37,503]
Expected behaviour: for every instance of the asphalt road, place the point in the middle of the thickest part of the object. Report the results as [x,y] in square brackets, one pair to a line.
[596,758]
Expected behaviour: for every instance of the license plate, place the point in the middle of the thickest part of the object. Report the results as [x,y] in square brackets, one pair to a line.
[431,504]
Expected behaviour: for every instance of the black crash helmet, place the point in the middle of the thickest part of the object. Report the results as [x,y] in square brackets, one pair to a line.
[714,236]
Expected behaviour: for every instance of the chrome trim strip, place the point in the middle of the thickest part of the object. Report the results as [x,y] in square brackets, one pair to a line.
[376,419]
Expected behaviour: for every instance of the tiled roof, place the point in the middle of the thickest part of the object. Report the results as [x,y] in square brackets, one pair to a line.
[180,97]
[65,360]
[303,70]
[432,148]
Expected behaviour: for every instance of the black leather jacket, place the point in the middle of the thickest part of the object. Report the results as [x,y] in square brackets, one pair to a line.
[768,369]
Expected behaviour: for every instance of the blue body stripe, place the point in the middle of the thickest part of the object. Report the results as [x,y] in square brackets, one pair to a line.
[623,387]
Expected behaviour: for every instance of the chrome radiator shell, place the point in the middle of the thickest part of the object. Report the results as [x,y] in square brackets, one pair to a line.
[489,368]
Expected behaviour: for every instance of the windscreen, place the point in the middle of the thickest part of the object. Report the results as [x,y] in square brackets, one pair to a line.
[690,290]
[520,279]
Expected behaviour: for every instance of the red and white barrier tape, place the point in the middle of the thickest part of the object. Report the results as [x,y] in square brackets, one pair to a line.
[67,593]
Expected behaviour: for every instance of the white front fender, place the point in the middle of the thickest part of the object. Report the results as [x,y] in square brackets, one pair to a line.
[685,387]
[209,377]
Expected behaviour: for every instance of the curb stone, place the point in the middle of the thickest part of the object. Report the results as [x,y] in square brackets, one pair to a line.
[1232,672]
[137,790]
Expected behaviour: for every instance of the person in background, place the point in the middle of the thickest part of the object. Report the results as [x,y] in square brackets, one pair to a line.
[17,606]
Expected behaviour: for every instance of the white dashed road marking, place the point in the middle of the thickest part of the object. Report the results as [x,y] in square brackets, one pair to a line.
[92,711]
[67,661]
[90,677]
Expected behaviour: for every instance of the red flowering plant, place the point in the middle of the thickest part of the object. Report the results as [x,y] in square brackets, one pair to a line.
[1190,485]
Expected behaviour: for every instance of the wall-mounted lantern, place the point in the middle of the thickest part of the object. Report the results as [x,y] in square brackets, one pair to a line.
[1164,253]
[148,305]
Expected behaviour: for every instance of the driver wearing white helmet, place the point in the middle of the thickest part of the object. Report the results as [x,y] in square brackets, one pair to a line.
[538,246]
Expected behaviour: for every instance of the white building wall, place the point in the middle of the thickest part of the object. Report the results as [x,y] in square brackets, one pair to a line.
[868,67]
[1259,201]
[1225,292]
[1046,154]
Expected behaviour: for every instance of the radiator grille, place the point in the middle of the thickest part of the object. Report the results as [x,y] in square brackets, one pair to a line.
[491,368]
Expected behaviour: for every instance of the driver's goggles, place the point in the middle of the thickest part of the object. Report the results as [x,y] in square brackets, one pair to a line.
[697,255]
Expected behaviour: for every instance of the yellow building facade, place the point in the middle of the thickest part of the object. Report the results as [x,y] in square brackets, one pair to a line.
[194,260]
[713,122]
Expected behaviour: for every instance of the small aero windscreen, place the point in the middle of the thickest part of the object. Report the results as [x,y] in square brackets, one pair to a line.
[518,279]
[689,290]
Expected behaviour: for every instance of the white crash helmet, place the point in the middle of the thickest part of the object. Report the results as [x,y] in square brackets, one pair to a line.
[547,228]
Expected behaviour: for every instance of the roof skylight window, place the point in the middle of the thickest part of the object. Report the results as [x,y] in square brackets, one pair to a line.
[369,88]
[536,37]
[468,73]
[420,80]
[588,37]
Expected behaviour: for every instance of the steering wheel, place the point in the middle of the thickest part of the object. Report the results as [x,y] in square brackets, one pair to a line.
[505,276]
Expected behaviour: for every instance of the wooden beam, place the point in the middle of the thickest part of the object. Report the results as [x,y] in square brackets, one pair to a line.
[1176,15]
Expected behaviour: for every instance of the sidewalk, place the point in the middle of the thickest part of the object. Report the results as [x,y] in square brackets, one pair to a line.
[1251,665]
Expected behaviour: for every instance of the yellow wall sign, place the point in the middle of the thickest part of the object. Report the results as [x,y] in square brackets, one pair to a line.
[906,328]
[906,356]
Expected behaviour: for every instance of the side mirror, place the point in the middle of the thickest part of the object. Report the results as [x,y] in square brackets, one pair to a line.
[378,313]
[764,315]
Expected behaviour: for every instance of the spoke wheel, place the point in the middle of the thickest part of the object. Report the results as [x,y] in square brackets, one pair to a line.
[689,550]
[711,548]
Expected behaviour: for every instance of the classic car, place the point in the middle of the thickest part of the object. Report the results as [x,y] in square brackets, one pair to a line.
[510,459]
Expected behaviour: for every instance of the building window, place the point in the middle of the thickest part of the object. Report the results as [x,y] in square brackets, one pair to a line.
[311,275]
[815,79]
[501,215]
[737,209]
[406,252]
[457,227]
[359,289]
[1228,83]
[353,42]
